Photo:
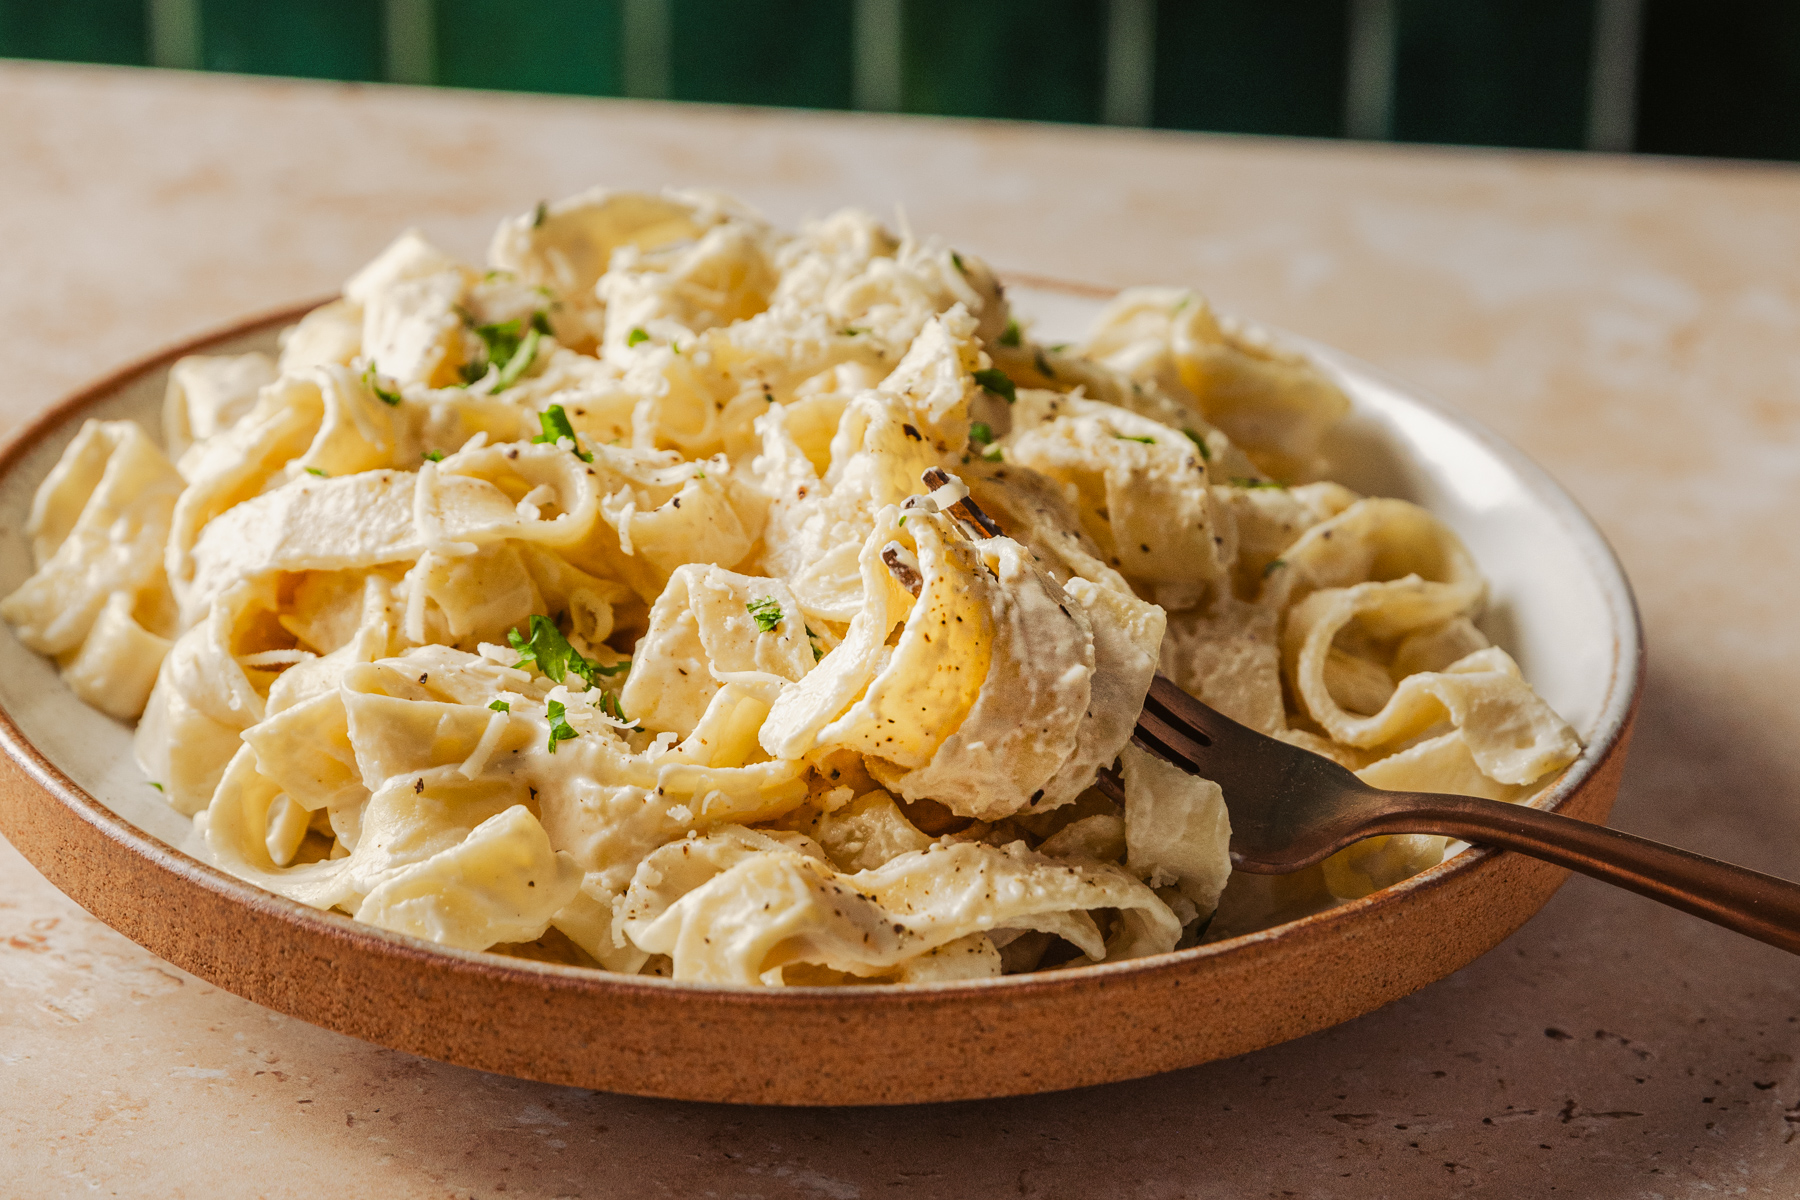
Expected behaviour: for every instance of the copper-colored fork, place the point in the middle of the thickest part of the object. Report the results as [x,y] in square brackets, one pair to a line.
[1291,808]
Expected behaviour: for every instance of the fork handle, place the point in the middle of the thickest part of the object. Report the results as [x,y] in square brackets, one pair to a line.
[1757,905]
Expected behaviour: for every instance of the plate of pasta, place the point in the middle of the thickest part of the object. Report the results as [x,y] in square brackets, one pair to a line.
[576,666]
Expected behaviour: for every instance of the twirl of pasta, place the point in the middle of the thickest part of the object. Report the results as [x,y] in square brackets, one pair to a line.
[591,606]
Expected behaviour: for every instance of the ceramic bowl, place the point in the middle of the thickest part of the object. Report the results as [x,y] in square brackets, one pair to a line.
[73,802]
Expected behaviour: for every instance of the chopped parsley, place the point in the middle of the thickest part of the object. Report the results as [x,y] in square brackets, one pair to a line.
[1274,565]
[433,456]
[765,612]
[316,471]
[1126,437]
[560,729]
[154,784]
[993,455]
[1182,303]
[1058,347]
[1244,481]
[539,213]
[995,381]
[385,395]
[556,427]
[637,336]
[1205,450]
[609,704]
[522,358]
[957,259]
[813,639]
[851,331]
[550,650]
[1013,335]
[510,346]
[981,433]
[1043,365]
[500,706]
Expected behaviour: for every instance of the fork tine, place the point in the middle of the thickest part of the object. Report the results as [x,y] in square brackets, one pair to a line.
[1169,742]
[1180,710]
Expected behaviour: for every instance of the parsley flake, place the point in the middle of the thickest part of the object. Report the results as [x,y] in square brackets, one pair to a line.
[154,784]
[1012,335]
[508,346]
[521,360]
[551,652]
[813,640]
[851,331]
[1043,365]
[765,612]
[433,456]
[993,455]
[609,704]
[957,259]
[981,433]
[1205,450]
[385,395]
[539,213]
[1244,481]
[316,471]
[560,729]
[1274,565]
[995,381]
[1126,437]
[556,427]
[637,336]
[500,706]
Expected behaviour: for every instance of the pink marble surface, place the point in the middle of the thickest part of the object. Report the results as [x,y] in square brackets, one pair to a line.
[1632,324]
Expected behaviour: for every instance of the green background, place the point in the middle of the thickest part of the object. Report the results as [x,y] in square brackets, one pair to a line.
[1715,77]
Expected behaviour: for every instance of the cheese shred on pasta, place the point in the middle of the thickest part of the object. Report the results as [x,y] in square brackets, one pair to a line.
[593,606]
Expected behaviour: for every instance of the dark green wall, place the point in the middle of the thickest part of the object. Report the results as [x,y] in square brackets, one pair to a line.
[1719,77]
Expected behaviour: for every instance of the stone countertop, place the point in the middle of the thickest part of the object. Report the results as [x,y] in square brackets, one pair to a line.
[1634,325]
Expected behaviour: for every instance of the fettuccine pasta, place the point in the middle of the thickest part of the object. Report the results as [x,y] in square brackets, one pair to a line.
[594,606]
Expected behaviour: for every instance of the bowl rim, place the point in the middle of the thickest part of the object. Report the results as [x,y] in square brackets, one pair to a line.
[1624,690]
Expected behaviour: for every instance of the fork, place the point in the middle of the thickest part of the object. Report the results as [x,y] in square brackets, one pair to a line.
[1291,808]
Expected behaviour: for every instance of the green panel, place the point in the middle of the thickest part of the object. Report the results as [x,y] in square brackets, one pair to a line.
[1251,66]
[323,39]
[792,52]
[1720,77]
[546,46]
[99,31]
[1493,72]
[1030,59]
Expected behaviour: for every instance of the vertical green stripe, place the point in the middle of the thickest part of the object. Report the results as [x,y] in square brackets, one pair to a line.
[322,39]
[98,31]
[1252,66]
[546,46]
[792,52]
[1720,77]
[1493,72]
[1031,59]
